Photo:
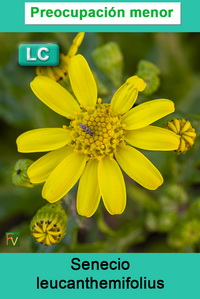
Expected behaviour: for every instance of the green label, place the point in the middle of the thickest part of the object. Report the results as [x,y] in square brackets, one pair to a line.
[38,55]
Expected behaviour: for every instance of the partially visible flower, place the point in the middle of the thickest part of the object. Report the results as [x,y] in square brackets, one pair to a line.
[184,129]
[60,72]
[98,141]
[48,226]
[19,174]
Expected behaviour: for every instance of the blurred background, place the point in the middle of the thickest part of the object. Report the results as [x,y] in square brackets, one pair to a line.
[165,220]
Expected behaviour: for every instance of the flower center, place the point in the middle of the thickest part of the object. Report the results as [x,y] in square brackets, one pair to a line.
[96,132]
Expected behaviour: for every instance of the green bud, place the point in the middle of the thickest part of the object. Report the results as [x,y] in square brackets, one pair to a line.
[190,231]
[186,233]
[176,193]
[48,226]
[151,222]
[166,221]
[146,66]
[19,174]
[149,72]
[109,60]
[167,204]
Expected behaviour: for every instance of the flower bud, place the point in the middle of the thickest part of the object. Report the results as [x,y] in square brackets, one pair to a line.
[166,221]
[191,231]
[184,129]
[151,222]
[19,174]
[48,226]
[176,193]
[109,60]
[150,74]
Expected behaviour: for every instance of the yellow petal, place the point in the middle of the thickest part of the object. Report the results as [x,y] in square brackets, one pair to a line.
[82,81]
[50,74]
[188,139]
[172,127]
[51,239]
[112,186]
[40,170]
[185,127]
[44,226]
[182,146]
[190,134]
[138,167]
[77,41]
[38,235]
[64,177]
[177,125]
[53,233]
[42,140]
[38,70]
[146,113]
[153,138]
[125,97]
[48,243]
[54,96]
[38,229]
[88,191]
[41,239]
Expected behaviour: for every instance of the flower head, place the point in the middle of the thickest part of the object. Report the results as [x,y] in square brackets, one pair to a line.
[184,129]
[99,141]
[48,226]
[60,72]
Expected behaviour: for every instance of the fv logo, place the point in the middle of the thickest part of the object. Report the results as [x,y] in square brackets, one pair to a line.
[13,239]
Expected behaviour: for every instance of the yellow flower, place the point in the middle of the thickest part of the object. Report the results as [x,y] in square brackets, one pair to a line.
[184,129]
[60,72]
[99,140]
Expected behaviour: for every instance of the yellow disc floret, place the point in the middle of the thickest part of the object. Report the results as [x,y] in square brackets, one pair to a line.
[97,131]
[184,129]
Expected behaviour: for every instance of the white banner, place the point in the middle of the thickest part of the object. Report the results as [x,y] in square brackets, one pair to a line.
[102,13]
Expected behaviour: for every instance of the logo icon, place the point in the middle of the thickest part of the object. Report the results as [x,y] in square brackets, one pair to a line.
[13,239]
